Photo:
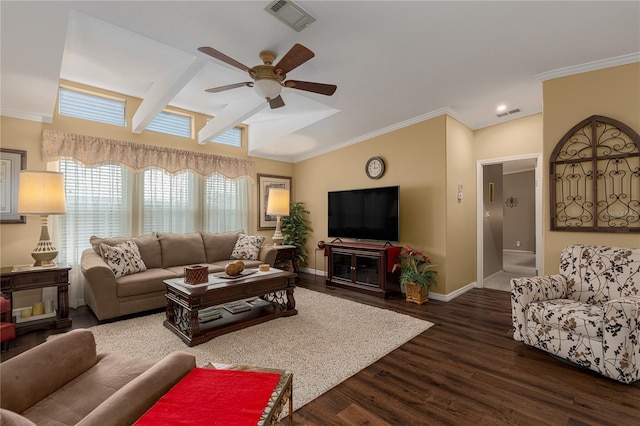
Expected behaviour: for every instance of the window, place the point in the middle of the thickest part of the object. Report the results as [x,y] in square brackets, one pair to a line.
[172,124]
[98,203]
[170,202]
[102,201]
[226,204]
[91,107]
[232,137]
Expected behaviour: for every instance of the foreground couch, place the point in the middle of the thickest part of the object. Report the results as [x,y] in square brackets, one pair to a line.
[164,256]
[588,314]
[65,382]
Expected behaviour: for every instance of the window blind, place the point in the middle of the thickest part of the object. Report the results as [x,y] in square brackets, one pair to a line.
[91,107]
[171,124]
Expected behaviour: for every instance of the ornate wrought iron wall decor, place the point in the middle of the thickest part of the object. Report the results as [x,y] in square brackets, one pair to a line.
[511,202]
[595,178]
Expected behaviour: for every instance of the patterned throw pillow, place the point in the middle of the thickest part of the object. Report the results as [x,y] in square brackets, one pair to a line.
[247,247]
[123,258]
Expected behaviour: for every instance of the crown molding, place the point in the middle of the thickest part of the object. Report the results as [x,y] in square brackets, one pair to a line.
[26,116]
[590,66]
[376,133]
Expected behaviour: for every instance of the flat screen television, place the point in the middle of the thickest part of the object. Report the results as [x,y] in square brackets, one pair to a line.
[365,214]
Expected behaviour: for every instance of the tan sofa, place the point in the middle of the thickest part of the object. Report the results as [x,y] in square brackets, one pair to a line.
[64,381]
[165,255]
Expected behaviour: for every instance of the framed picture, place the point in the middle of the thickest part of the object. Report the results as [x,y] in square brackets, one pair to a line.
[265,183]
[11,162]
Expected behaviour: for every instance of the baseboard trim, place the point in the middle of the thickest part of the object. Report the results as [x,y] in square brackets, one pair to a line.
[450,296]
[435,296]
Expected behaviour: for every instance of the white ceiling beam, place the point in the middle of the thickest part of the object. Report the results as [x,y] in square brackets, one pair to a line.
[231,115]
[162,92]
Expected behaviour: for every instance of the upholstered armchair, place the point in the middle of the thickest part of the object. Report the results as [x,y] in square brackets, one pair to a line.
[589,313]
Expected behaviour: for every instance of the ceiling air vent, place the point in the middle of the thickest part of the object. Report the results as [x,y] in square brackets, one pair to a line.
[504,114]
[291,14]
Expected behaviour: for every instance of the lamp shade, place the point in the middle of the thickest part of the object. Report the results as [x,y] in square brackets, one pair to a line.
[41,193]
[278,203]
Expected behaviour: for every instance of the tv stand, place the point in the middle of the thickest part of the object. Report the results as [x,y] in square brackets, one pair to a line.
[365,268]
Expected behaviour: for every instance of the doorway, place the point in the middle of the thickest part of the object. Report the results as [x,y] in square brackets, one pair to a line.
[509,220]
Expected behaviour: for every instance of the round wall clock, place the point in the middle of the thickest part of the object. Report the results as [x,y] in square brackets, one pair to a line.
[374,167]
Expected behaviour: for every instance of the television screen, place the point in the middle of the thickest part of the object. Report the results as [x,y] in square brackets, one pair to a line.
[365,214]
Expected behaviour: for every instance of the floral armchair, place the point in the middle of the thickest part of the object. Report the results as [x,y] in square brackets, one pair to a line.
[588,314]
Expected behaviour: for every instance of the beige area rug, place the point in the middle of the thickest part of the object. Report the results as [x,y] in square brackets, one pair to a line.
[328,341]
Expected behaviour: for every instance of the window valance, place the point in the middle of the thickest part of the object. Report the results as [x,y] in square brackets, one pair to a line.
[91,150]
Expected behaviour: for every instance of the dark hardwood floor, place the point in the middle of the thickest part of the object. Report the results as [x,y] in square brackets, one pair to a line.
[465,370]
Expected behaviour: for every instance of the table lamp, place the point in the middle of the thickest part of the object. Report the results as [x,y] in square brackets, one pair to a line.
[41,193]
[278,206]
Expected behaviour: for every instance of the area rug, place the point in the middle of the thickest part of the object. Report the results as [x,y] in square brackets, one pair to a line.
[328,341]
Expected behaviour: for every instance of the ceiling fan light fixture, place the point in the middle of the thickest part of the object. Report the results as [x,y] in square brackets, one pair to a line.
[267,88]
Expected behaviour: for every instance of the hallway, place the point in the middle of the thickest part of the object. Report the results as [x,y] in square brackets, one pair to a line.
[515,264]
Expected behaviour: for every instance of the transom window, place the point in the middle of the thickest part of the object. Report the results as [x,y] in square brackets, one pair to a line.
[92,107]
[172,123]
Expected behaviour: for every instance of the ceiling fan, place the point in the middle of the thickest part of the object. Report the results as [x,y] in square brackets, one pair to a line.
[269,79]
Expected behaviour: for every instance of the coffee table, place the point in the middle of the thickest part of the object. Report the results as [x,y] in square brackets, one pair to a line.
[273,290]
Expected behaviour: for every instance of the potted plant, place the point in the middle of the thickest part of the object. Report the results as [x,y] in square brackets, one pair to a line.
[416,274]
[295,228]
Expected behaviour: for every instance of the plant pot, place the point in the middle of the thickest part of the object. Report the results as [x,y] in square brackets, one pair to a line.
[415,293]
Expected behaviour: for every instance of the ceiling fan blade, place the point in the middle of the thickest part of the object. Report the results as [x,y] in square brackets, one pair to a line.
[276,102]
[229,86]
[321,88]
[222,57]
[295,57]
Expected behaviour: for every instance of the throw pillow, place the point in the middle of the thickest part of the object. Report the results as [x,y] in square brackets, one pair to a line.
[123,258]
[247,247]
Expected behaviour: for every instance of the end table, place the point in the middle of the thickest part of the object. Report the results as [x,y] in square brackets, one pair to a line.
[58,276]
[287,259]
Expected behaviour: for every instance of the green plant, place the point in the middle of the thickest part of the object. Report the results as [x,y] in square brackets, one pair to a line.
[415,267]
[295,228]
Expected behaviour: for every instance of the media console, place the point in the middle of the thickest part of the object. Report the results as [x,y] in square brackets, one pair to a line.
[363,267]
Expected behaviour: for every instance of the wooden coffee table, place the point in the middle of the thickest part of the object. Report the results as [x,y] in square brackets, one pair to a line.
[274,289]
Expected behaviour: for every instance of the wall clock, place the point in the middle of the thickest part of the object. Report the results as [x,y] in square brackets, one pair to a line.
[374,167]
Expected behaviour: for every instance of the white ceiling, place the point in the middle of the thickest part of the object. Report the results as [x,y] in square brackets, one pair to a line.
[395,63]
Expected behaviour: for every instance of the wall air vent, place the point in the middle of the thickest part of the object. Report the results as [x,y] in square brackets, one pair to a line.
[504,114]
[291,14]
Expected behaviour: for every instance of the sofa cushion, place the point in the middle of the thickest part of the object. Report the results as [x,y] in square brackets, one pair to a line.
[75,400]
[247,247]
[149,281]
[219,246]
[181,249]
[123,259]
[568,315]
[148,245]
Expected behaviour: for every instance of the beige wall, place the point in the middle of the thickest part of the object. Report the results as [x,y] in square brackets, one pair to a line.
[18,240]
[460,216]
[612,92]
[415,160]
[511,139]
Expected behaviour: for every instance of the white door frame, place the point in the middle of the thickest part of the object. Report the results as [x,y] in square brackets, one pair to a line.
[480,211]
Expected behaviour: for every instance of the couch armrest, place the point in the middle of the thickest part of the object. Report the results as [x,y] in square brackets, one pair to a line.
[533,289]
[131,401]
[9,418]
[33,375]
[621,339]
[100,290]
[268,255]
